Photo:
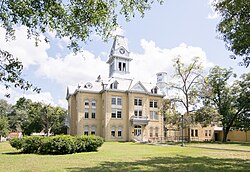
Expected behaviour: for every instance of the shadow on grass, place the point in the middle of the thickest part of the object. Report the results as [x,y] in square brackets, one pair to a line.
[179,164]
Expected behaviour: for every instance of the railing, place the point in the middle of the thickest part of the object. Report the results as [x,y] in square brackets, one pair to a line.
[139,120]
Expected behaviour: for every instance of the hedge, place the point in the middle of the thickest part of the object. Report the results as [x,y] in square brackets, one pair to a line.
[61,144]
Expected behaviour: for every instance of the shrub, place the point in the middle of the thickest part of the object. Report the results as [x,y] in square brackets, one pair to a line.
[16,143]
[31,144]
[88,143]
[61,144]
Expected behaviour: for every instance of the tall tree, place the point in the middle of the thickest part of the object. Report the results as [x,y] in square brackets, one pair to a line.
[11,73]
[187,82]
[52,119]
[243,102]
[30,117]
[71,18]
[26,116]
[4,126]
[74,19]
[235,27]
[232,102]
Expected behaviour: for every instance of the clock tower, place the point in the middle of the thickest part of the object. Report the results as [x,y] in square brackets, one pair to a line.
[119,57]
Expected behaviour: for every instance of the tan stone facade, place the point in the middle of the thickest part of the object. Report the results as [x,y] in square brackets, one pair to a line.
[115,115]
[117,108]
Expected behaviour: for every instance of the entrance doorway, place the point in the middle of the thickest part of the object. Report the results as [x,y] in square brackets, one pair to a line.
[138,132]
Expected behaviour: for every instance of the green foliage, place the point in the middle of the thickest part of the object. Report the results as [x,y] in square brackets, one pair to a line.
[74,19]
[207,115]
[30,117]
[235,26]
[16,143]
[60,144]
[4,126]
[11,71]
[31,144]
[231,101]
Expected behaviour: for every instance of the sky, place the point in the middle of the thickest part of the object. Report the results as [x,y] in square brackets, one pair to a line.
[177,28]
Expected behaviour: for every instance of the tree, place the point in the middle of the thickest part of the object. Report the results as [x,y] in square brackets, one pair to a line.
[4,111]
[52,119]
[187,82]
[30,117]
[58,126]
[235,27]
[232,102]
[74,19]
[11,71]
[243,103]
[25,116]
[4,126]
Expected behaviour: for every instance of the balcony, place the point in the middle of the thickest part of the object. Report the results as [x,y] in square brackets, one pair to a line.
[139,120]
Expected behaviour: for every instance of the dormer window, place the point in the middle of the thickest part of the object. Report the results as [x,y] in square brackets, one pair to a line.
[88,85]
[154,90]
[114,85]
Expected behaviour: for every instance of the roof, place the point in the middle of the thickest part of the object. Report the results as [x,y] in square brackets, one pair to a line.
[123,85]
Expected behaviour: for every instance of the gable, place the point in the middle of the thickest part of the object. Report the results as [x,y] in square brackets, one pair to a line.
[138,87]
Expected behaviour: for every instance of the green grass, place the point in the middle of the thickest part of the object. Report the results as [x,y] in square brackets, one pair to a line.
[130,157]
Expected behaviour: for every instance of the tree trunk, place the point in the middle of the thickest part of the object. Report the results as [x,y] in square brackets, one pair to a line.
[225,133]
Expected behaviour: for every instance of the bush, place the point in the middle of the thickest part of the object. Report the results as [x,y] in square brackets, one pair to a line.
[61,144]
[88,143]
[31,144]
[16,143]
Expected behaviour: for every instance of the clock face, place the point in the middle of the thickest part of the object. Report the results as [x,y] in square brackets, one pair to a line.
[122,51]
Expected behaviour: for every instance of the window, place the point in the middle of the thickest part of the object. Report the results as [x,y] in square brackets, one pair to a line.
[124,67]
[86,130]
[86,114]
[154,90]
[93,130]
[154,115]
[138,113]
[151,132]
[116,101]
[120,132]
[86,103]
[206,132]
[114,85]
[113,100]
[113,114]
[120,66]
[192,133]
[153,103]
[138,102]
[93,104]
[119,114]
[119,101]
[93,114]
[116,113]
[156,131]
[196,133]
[210,132]
[113,132]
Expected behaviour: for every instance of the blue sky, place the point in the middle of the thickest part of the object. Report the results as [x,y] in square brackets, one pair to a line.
[186,28]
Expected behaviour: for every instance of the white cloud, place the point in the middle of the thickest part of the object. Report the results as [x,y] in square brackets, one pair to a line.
[154,59]
[85,66]
[15,94]
[24,48]
[73,68]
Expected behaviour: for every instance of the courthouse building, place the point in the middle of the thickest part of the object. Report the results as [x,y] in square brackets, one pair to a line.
[118,108]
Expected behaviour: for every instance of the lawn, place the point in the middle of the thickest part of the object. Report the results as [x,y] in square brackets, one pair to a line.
[131,157]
